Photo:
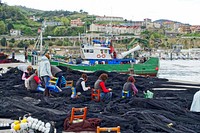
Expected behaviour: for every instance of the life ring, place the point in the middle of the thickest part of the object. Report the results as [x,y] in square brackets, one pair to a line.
[98,56]
[103,56]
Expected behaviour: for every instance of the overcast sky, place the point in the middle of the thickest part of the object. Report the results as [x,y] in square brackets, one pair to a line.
[185,11]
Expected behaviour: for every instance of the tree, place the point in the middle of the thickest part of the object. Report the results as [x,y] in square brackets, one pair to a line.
[2,27]
[10,26]
[21,44]
[87,24]
[28,31]
[3,42]
[12,40]
[65,21]
[81,11]
[11,45]
[60,31]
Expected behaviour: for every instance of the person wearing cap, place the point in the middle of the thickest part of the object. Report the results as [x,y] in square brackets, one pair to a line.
[44,72]
[130,86]
[106,93]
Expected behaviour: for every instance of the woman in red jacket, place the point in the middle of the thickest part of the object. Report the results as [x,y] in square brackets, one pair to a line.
[106,93]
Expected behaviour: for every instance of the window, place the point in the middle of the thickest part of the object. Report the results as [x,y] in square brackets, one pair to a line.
[91,51]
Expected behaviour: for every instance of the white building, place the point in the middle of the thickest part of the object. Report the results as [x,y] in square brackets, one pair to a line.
[15,32]
[34,18]
[115,29]
[109,18]
[52,23]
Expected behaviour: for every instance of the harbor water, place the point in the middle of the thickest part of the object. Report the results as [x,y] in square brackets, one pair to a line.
[184,70]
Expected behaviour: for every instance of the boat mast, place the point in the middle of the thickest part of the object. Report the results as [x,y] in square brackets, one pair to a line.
[41,42]
[41,36]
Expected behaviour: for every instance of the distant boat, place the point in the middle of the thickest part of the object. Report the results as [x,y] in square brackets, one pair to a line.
[3,56]
[21,51]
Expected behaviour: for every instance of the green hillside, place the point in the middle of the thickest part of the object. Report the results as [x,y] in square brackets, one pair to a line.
[12,17]
[18,17]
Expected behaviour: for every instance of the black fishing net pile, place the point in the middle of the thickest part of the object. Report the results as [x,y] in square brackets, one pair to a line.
[167,112]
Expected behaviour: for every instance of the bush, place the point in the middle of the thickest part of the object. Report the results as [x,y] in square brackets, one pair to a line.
[51,43]
[59,43]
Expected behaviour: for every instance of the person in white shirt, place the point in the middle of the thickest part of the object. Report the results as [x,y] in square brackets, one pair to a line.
[80,84]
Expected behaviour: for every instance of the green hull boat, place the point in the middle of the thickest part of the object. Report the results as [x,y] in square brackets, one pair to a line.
[148,68]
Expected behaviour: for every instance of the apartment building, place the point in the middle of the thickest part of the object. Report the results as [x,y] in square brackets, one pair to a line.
[53,23]
[115,29]
[109,18]
[195,28]
[184,29]
[76,22]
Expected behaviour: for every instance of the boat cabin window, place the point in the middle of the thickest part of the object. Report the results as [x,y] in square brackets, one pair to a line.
[88,51]
[91,51]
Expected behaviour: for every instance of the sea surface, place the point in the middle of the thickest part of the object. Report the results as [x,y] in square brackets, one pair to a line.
[184,70]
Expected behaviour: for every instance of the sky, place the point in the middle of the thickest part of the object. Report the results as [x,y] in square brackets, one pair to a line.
[185,11]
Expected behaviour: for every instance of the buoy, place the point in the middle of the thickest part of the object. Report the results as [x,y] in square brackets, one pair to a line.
[156,68]
[16,122]
[24,121]
[17,127]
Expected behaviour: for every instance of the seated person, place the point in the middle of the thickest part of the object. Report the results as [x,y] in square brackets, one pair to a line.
[30,77]
[106,93]
[80,84]
[57,72]
[27,73]
[34,83]
[130,86]
[195,107]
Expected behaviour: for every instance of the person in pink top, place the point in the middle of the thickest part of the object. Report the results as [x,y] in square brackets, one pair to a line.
[130,86]
[27,73]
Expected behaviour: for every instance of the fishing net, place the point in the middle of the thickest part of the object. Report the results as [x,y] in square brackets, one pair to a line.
[167,112]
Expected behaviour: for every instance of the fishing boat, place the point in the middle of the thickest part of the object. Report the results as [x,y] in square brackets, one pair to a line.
[3,56]
[102,56]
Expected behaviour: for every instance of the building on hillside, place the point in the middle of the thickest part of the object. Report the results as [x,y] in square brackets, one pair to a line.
[15,32]
[195,28]
[109,18]
[34,18]
[53,23]
[184,29]
[147,21]
[138,23]
[168,25]
[171,33]
[153,25]
[115,29]
[177,25]
[76,22]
